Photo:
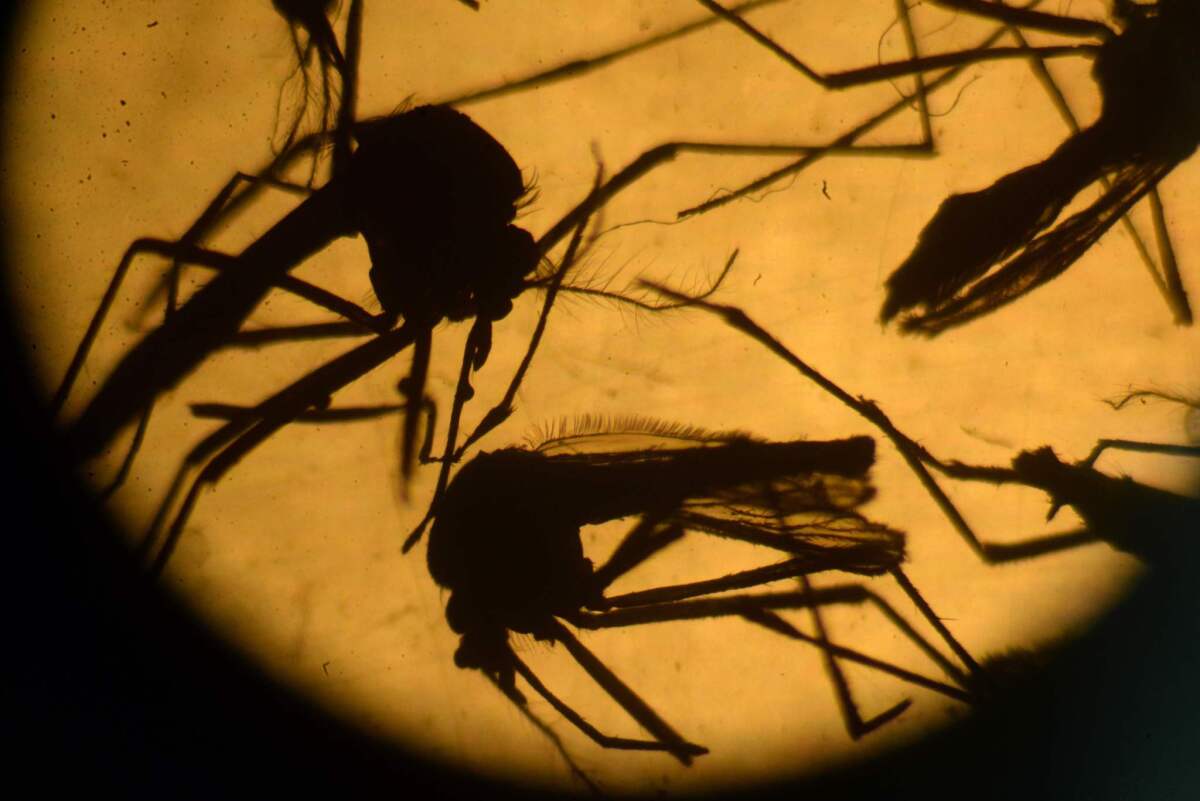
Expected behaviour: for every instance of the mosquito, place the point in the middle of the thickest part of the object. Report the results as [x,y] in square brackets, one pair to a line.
[506,545]
[985,249]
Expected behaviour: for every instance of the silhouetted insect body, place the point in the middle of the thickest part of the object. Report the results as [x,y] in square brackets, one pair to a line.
[506,544]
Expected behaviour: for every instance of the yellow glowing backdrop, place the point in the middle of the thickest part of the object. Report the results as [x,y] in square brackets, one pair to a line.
[124,119]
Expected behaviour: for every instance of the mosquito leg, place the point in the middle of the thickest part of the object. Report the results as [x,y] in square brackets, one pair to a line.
[913,454]
[412,389]
[220,209]
[233,441]
[962,58]
[473,358]
[1176,293]
[743,579]
[999,553]
[502,410]
[361,319]
[792,568]
[154,246]
[322,298]
[550,734]
[462,393]
[341,414]
[856,726]
[774,622]
[135,445]
[206,258]
[844,142]
[668,151]
[927,612]
[667,738]
[758,608]
[851,717]
[308,332]
[1138,447]
[1027,17]
[645,539]
[578,67]
[915,65]
[429,409]
[686,750]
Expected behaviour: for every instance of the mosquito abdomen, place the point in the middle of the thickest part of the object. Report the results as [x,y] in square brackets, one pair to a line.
[171,352]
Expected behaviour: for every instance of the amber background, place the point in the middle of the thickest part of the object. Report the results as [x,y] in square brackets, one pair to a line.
[117,129]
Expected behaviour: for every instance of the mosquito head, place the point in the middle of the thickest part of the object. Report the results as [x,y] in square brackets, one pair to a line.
[483,645]
[435,196]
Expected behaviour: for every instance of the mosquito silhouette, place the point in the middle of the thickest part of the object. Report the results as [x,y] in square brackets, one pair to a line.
[506,544]
[985,249]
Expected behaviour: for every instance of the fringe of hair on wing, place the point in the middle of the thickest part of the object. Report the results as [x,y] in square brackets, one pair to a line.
[571,432]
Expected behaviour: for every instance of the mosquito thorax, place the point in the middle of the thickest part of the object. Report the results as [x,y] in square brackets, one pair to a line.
[509,553]
[1149,78]
[434,195]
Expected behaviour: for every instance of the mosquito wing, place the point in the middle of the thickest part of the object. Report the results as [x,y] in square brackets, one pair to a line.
[812,515]
[972,232]
[799,497]
[1046,257]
